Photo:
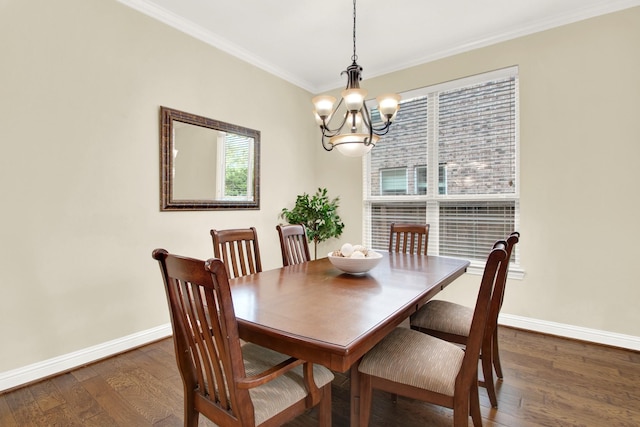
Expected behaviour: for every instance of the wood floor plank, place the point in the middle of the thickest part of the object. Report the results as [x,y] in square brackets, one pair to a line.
[84,373]
[114,403]
[24,408]
[76,396]
[156,362]
[47,395]
[6,417]
[101,420]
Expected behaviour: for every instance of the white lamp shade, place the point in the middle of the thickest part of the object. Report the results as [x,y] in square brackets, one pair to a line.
[352,144]
[354,98]
[388,104]
[324,105]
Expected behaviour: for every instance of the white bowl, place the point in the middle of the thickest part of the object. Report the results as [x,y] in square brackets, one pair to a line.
[355,265]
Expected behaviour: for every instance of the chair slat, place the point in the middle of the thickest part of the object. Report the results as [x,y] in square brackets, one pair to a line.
[238,249]
[409,238]
[293,244]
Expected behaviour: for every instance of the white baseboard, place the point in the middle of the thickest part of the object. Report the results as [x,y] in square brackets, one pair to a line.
[47,368]
[629,342]
[64,363]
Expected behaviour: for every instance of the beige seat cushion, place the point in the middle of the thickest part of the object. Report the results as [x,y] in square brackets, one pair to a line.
[444,316]
[274,396]
[416,359]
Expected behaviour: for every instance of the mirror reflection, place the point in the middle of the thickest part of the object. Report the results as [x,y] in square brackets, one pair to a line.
[207,164]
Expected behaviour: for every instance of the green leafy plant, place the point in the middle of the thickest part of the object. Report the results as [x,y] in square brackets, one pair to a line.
[319,214]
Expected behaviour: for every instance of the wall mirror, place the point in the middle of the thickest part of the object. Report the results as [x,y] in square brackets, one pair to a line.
[207,164]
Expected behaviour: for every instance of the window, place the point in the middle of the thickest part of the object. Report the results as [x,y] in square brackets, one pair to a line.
[421,179]
[460,141]
[393,181]
[236,163]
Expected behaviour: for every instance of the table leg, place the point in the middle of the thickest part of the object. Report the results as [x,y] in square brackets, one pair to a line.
[355,396]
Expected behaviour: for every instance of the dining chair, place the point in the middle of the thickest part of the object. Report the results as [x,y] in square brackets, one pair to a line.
[293,244]
[230,383]
[452,322]
[238,249]
[409,238]
[419,366]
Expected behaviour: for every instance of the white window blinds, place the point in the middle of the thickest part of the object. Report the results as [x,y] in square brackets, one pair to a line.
[237,161]
[462,138]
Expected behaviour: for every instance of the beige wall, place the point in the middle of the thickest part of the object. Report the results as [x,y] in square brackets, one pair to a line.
[579,153]
[81,83]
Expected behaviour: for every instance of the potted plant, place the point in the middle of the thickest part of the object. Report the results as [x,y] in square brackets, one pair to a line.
[318,214]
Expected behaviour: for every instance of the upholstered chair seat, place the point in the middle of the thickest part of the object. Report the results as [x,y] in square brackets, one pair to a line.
[444,316]
[275,396]
[409,357]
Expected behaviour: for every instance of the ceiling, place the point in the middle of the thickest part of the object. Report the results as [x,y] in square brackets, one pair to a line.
[309,42]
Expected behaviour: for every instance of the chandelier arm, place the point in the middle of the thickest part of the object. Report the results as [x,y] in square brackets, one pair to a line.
[369,141]
[366,120]
[327,131]
[383,130]
[380,131]
[366,115]
[325,145]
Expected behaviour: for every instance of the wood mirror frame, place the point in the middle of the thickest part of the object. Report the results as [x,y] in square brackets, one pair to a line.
[215,154]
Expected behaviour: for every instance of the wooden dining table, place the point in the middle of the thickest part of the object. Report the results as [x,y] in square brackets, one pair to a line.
[315,312]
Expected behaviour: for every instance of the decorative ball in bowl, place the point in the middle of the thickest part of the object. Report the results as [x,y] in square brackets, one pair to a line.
[354,259]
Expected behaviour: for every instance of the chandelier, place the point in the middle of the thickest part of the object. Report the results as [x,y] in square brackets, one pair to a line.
[355,133]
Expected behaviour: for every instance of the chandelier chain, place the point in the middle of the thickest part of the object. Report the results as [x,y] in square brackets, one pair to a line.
[354,58]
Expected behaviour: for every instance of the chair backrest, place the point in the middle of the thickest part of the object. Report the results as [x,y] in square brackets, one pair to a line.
[238,249]
[293,244]
[501,283]
[206,337]
[468,372]
[409,238]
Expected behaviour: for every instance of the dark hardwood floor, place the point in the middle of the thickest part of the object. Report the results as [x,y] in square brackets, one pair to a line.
[549,381]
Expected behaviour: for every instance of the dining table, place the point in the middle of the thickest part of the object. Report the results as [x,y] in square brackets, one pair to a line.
[316,312]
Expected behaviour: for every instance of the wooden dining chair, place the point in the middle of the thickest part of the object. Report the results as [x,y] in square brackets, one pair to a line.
[293,244]
[452,322]
[229,383]
[419,366]
[238,249]
[409,238]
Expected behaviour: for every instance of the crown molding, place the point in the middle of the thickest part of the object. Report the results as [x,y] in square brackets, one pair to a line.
[179,23]
[603,8]
[150,9]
